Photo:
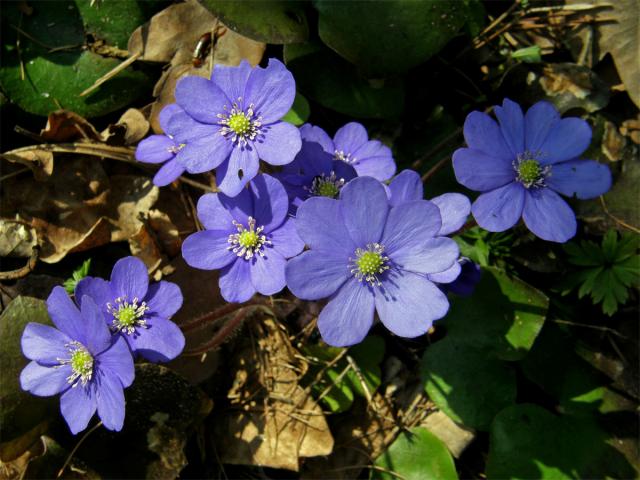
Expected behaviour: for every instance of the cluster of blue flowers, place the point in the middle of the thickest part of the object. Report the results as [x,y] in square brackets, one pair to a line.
[332,223]
[88,357]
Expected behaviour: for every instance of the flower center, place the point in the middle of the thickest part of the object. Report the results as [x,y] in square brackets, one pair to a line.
[345,157]
[326,186]
[81,363]
[239,125]
[248,241]
[529,171]
[127,316]
[176,148]
[369,263]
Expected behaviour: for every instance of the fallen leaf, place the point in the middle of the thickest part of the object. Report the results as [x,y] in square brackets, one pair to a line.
[569,86]
[67,126]
[129,130]
[38,160]
[17,238]
[272,421]
[129,197]
[619,36]
[456,437]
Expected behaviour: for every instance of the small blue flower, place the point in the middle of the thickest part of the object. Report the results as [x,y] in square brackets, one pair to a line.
[313,172]
[239,110]
[523,163]
[465,284]
[351,145]
[137,311]
[249,237]
[80,360]
[368,256]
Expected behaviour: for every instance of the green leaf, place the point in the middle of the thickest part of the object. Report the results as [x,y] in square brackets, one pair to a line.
[54,79]
[391,36]
[529,442]
[415,455]
[299,112]
[504,315]
[467,384]
[367,355]
[114,22]
[554,366]
[269,21]
[19,410]
[77,275]
[326,78]
[609,244]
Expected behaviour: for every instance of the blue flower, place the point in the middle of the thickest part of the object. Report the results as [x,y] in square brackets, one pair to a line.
[239,110]
[249,237]
[351,145]
[523,163]
[367,256]
[80,360]
[137,311]
[313,172]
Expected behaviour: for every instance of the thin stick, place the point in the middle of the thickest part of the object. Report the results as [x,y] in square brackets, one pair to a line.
[24,271]
[437,147]
[210,317]
[219,337]
[75,449]
[616,219]
[199,185]
[111,73]
[436,168]
[13,174]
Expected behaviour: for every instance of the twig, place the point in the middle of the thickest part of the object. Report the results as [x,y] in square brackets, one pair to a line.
[44,45]
[13,174]
[24,271]
[616,219]
[210,317]
[75,449]
[436,168]
[199,185]
[593,327]
[111,73]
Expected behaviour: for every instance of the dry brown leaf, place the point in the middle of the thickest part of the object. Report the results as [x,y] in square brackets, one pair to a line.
[569,86]
[17,238]
[456,437]
[67,126]
[273,421]
[171,37]
[129,197]
[619,36]
[129,130]
[39,161]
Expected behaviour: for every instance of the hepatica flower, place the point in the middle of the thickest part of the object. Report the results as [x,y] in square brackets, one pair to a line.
[240,108]
[368,256]
[314,172]
[454,209]
[521,164]
[137,311]
[78,359]
[351,145]
[249,237]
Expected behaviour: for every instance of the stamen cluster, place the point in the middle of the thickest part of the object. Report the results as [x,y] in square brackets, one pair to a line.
[238,125]
[248,241]
[345,157]
[81,363]
[529,171]
[326,185]
[127,316]
[369,263]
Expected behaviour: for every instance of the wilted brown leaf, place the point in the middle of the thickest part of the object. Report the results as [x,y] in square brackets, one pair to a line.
[171,37]
[66,126]
[129,130]
[39,161]
[619,36]
[272,420]
[17,238]
[129,197]
[569,86]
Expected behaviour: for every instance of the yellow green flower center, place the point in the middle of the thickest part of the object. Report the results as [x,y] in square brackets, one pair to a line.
[369,263]
[127,316]
[328,190]
[239,123]
[529,171]
[248,239]
[81,363]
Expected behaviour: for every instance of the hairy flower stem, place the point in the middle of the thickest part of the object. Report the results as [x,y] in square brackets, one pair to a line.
[216,315]
[219,338]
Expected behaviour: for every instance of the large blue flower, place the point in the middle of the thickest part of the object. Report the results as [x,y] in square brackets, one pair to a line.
[523,163]
[137,311]
[239,112]
[351,145]
[367,256]
[78,359]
